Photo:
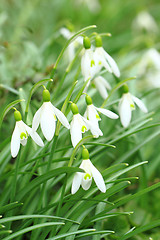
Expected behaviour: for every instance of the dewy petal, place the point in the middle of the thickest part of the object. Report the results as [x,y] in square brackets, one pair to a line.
[125,111]
[140,104]
[107,113]
[86,183]
[15,141]
[76,182]
[100,87]
[61,117]
[98,178]
[36,119]
[48,121]
[75,131]
[113,64]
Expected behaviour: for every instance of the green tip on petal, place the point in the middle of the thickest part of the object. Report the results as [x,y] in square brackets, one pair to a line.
[85,154]
[17,116]
[46,96]
[86,42]
[125,88]
[88,100]
[74,108]
[98,41]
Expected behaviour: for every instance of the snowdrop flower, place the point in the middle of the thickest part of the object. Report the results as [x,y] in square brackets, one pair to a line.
[102,86]
[46,117]
[103,59]
[88,66]
[144,21]
[71,48]
[126,105]
[20,135]
[79,125]
[93,5]
[149,67]
[92,114]
[85,179]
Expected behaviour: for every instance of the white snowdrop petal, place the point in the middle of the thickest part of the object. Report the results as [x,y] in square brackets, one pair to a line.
[48,122]
[113,64]
[36,119]
[75,131]
[108,113]
[100,87]
[15,141]
[140,104]
[86,183]
[23,141]
[71,51]
[92,114]
[61,117]
[125,111]
[65,32]
[105,82]
[94,128]
[98,179]
[36,138]
[76,182]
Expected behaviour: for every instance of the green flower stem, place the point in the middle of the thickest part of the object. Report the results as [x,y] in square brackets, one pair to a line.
[115,88]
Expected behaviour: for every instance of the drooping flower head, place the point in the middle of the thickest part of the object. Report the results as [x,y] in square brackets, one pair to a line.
[126,106]
[85,179]
[46,117]
[88,66]
[79,125]
[103,59]
[92,112]
[21,133]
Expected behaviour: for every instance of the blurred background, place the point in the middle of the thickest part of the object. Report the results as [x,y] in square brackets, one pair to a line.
[31,40]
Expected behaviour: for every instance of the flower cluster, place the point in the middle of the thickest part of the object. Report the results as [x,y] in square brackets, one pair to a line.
[92,62]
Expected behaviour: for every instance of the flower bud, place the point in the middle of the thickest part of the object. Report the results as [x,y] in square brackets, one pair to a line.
[86,42]
[88,100]
[125,88]
[85,154]
[74,108]
[98,41]
[46,96]
[17,116]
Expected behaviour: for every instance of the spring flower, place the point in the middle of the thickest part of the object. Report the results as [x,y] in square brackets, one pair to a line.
[102,85]
[71,48]
[93,5]
[85,179]
[149,67]
[145,21]
[79,125]
[92,114]
[20,135]
[46,117]
[103,59]
[126,105]
[88,66]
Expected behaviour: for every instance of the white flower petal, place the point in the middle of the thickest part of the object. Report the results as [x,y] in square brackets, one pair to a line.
[75,131]
[125,111]
[15,141]
[100,87]
[76,182]
[105,82]
[107,113]
[23,141]
[48,122]
[98,178]
[37,138]
[94,128]
[140,104]
[36,119]
[92,114]
[113,64]
[61,117]
[86,183]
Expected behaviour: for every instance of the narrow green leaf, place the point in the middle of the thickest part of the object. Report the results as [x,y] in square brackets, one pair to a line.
[9,207]
[9,107]
[29,229]
[106,232]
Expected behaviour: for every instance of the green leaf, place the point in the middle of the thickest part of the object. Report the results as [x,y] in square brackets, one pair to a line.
[9,207]
[106,232]
[45,177]
[9,107]
[29,229]
[70,234]
[141,229]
